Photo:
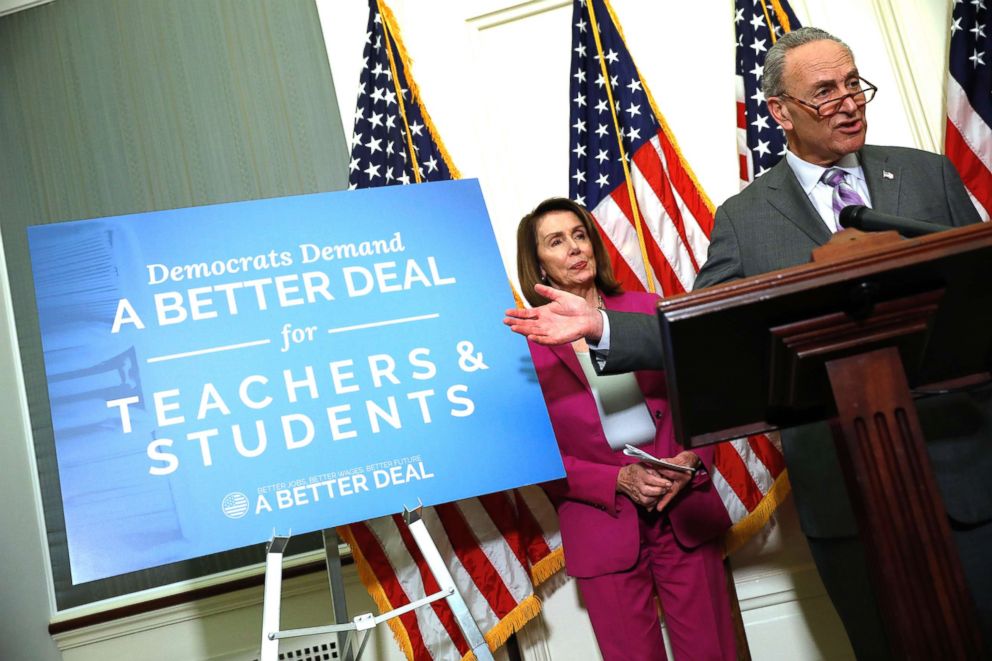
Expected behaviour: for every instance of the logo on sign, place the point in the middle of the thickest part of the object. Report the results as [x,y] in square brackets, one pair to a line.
[235,505]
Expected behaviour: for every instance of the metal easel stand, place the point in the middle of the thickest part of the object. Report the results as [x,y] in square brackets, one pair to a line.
[366,622]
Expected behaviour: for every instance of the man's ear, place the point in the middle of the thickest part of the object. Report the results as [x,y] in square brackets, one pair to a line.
[780,112]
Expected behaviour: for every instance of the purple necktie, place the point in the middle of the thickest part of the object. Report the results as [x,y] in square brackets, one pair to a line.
[844,193]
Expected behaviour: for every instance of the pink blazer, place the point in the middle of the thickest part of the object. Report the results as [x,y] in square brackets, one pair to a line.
[599,526]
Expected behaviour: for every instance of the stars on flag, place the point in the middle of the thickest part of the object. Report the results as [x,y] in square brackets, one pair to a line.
[761,142]
[968,135]
[595,152]
[971,43]
[388,119]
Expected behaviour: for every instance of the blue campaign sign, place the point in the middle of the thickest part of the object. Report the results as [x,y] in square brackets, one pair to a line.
[219,373]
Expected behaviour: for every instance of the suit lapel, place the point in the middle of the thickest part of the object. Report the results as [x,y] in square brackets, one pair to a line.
[884,179]
[788,198]
[566,354]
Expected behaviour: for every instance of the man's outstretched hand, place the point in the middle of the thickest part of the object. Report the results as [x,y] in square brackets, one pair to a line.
[565,319]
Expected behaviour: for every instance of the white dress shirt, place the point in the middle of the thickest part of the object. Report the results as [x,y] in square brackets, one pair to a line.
[821,194]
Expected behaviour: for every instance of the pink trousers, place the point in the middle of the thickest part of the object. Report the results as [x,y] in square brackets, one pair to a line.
[690,586]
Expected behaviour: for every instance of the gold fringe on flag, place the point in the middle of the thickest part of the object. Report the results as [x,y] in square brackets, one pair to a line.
[780,15]
[548,566]
[393,33]
[747,527]
[517,300]
[783,18]
[513,622]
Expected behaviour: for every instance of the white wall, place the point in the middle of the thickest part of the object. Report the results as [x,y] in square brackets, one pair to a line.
[494,75]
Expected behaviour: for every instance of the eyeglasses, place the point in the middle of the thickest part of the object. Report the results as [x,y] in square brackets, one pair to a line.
[864,94]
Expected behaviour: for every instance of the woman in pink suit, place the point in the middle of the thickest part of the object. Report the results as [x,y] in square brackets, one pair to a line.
[630,532]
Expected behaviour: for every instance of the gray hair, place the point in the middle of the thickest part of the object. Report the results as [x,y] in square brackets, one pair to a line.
[771,78]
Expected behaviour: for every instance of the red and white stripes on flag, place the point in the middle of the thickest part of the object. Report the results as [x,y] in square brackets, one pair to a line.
[968,137]
[676,219]
[496,548]
[499,546]
[622,151]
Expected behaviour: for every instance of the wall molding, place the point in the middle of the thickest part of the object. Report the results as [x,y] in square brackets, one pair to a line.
[186,592]
[514,12]
[779,586]
[313,583]
[916,112]
[11,6]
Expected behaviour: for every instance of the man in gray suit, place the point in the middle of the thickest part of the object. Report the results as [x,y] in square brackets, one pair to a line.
[815,92]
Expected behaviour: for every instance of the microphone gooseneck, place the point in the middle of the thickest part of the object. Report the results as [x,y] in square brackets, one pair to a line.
[868,220]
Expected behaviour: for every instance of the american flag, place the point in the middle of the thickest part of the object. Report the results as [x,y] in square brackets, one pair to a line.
[498,546]
[760,140]
[390,120]
[621,151]
[968,137]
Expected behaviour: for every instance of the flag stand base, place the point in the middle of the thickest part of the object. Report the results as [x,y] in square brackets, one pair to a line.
[347,631]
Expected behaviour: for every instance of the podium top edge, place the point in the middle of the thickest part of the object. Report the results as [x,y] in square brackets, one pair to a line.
[953,242]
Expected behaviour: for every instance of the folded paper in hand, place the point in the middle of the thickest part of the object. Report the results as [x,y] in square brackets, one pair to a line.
[643,456]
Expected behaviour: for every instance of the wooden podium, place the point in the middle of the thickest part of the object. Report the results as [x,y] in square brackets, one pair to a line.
[845,340]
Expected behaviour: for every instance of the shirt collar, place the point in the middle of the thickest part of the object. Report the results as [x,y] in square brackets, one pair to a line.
[809,174]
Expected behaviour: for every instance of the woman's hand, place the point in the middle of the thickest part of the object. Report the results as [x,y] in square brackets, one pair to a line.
[642,484]
[678,479]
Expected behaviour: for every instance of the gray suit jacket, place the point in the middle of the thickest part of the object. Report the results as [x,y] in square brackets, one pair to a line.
[772,225]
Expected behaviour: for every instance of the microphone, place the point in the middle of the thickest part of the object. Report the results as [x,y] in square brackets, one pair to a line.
[868,220]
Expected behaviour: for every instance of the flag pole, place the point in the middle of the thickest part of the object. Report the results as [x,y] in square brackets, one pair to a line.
[387,29]
[638,225]
[780,14]
[768,21]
